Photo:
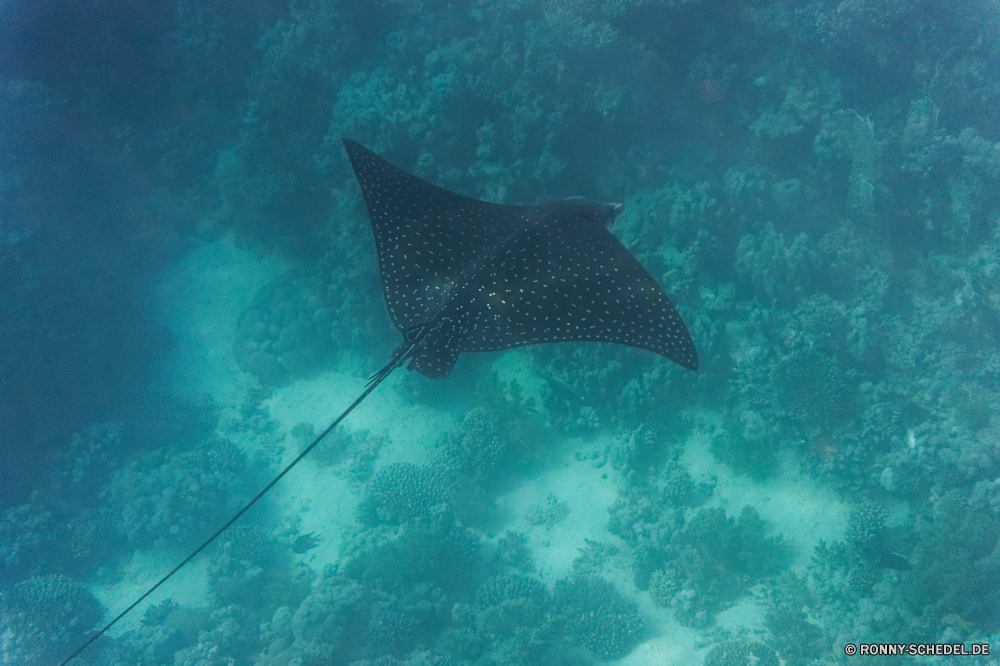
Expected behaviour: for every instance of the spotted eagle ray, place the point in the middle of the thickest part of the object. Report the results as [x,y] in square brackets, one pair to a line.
[463,275]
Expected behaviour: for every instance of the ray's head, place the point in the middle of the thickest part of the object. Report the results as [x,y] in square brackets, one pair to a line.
[605,213]
[584,211]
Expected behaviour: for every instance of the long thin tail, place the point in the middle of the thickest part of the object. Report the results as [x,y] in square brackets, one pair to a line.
[397,360]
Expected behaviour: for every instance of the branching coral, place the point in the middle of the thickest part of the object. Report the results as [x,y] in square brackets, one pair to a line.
[158,418]
[394,632]
[417,658]
[343,621]
[402,492]
[814,388]
[643,518]
[796,636]
[594,557]
[43,617]
[598,617]
[665,583]
[548,515]
[584,380]
[777,270]
[512,552]
[856,21]
[510,618]
[510,602]
[865,525]
[738,546]
[639,449]
[480,445]
[747,443]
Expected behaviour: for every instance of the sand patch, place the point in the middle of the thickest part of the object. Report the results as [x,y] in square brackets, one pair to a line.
[200,299]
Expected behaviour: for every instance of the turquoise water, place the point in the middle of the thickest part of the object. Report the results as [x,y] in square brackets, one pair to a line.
[190,294]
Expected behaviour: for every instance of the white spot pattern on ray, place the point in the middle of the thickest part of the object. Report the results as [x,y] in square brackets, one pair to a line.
[476,276]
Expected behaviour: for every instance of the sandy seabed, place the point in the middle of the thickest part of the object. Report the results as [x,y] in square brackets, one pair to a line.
[200,300]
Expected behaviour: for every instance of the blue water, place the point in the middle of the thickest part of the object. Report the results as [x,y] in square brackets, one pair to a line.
[189,293]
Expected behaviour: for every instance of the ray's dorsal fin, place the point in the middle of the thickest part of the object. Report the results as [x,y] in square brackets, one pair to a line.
[462,275]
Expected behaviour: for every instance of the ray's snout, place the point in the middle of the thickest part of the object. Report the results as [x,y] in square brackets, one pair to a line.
[616,210]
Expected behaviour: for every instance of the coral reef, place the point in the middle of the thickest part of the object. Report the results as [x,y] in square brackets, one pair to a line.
[394,559]
[547,515]
[343,621]
[509,601]
[300,321]
[594,557]
[747,443]
[395,632]
[286,332]
[230,636]
[328,624]
[644,448]
[720,557]
[251,568]
[736,652]
[357,449]
[27,532]
[814,184]
[665,583]
[512,552]
[698,565]
[948,579]
[173,497]
[160,418]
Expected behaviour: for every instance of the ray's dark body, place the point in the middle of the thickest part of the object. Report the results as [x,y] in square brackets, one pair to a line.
[464,275]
